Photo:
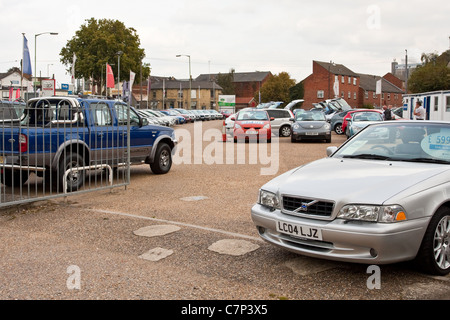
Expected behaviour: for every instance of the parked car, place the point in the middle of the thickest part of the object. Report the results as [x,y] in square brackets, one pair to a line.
[336,121]
[186,114]
[311,125]
[282,123]
[151,118]
[371,201]
[62,137]
[252,125]
[360,120]
[179,119]
[350,114]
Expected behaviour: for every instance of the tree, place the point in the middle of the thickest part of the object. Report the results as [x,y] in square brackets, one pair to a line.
[226,81]
[98,43]
[433,75]
[297,91]
[277,88]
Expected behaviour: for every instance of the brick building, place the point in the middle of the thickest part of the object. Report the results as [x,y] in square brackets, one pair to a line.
[168,93]
[391,94]
[247,85]
[330,80]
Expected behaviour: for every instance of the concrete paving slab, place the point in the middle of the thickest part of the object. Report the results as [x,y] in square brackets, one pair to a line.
[233,247]
[156,254]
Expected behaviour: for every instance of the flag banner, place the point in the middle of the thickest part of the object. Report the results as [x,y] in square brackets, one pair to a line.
[26,62]
[378,88]
[132,76]
[109,77]
[18,94]
[149,86]
[73,68]
[11,91]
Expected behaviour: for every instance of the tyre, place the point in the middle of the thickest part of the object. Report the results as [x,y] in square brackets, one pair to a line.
[163,159]
[338,128]
[434,252]
[74,179]
[285,131]
[13,178]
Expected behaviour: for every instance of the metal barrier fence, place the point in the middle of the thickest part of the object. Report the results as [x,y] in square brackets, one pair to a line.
[52,148]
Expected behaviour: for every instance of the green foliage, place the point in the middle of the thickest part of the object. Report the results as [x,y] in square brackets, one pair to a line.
[277,88]
[433,75]
[97,42]
[226,81]
[297,92]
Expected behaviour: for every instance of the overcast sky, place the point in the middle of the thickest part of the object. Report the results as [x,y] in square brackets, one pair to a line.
[247,35]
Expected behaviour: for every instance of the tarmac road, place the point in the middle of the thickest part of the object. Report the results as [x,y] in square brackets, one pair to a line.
[187,235]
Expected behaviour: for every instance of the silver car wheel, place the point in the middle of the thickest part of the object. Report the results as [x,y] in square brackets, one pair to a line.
[441,244]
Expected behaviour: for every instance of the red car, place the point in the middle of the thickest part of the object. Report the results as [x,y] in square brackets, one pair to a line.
[351,113]
[252,124]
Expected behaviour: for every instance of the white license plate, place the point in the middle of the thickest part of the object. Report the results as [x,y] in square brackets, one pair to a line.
[251,132]
[312,133]
[299,231]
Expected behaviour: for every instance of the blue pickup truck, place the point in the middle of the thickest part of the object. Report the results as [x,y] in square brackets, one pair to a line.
[60,138]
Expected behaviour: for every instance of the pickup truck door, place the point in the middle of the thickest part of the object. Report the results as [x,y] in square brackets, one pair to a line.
[103,140]
[141,137]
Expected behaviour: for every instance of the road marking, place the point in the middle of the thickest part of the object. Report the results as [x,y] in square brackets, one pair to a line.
[179,224]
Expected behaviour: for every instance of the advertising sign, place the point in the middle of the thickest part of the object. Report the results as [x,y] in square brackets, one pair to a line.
[48,87]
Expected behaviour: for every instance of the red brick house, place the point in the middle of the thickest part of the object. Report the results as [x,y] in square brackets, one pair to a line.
[330,80]
[391,94]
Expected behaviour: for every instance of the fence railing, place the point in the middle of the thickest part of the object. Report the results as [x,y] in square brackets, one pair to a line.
[48,151]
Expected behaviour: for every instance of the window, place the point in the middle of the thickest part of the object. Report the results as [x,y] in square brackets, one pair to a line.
[447,103]
[100,114]
[343,77]
[349,95]
[122,115]
[320,94]
[354,95]
[436,103]
[342,94]
[349,80]
[354,81]
[374,95]
[366,94]
[389,96]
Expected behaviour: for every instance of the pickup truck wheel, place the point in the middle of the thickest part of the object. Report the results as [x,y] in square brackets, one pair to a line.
[13,178]
[75,179]
[163,159]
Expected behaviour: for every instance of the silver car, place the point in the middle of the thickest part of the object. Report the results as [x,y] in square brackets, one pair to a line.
[311,125]
[380,198]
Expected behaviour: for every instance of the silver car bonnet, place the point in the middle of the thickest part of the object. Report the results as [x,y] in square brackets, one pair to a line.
[352,180]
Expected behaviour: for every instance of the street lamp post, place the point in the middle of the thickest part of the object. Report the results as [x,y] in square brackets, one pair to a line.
[190,77]
[35,48]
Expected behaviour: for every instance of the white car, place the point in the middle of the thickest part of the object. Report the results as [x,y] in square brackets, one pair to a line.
[380,198]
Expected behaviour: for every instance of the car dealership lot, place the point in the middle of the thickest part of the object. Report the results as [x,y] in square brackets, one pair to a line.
[184,235]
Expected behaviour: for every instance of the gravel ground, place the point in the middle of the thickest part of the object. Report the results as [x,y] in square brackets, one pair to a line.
[88,247]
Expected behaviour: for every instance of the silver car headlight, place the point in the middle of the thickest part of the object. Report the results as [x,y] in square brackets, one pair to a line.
[296,126]
[267,126]
[327,126]
[386,214]
[268,199]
